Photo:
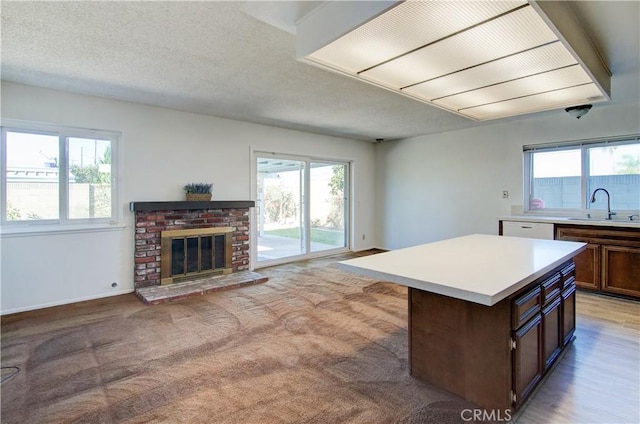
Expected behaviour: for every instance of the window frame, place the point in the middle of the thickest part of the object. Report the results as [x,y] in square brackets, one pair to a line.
[63,222]
[583,146]
[306,212]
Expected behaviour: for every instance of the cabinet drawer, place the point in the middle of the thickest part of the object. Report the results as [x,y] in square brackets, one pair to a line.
[551,288]
[569,282]
[537,230]
[526,306]
[568,271]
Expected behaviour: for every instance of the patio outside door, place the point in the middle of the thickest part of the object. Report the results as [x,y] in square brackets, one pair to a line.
[301,208]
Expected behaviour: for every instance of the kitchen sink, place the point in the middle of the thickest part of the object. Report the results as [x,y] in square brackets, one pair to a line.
[601,219]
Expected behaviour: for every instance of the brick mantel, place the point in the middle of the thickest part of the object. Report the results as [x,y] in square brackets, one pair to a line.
[149,223]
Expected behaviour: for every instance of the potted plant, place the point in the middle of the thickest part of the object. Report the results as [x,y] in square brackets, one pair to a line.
[198,192]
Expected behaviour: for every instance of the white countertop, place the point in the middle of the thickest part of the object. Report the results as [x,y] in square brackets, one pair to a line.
[617,222]
[478,268]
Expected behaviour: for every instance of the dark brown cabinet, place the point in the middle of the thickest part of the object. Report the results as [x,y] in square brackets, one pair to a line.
[493,356]
[611,262]
[568,317]
[526,359]
[568,312]
[552,330]
[543,322]
[588,267]
[621,270]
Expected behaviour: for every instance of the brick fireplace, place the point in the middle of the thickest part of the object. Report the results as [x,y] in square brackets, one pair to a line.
[152,219]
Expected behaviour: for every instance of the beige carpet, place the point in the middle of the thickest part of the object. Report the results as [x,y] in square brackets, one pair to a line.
[312,345]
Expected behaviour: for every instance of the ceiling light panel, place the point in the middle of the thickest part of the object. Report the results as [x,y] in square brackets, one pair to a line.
[536,103]
[553,80]
[403,29]
[542,59]
[469,48]
[479,59]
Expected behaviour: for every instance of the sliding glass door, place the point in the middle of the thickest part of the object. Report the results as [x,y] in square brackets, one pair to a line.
[301,208]
[279,208]
[327,206]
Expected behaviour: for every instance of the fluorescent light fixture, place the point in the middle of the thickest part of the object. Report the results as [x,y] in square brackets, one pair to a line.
[479,59]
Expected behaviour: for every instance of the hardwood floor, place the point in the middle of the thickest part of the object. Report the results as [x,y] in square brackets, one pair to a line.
[598,380]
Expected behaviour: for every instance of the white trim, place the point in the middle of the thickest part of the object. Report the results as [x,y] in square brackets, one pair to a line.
[253,212]
[560,145]
[312,255]
[46,127]
[41,230]
[364,249]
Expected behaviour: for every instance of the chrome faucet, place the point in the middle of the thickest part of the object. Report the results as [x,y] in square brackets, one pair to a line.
[593,199]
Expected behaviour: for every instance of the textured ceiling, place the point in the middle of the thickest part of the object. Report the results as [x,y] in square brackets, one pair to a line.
[217,58]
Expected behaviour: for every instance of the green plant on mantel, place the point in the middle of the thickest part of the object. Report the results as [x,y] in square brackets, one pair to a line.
[198,188]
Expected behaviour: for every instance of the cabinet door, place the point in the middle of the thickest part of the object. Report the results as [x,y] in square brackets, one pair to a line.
[552,332]
[568,311]
[527,366]
[588,267]
[621,270]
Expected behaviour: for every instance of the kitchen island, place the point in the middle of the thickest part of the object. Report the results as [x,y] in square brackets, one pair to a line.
[488,315]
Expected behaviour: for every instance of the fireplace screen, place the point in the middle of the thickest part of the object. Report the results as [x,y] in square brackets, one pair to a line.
[188,254]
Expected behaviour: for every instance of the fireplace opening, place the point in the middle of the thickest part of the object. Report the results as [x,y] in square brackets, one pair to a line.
[195,253]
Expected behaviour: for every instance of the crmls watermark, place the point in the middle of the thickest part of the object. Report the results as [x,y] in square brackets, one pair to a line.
[486,415]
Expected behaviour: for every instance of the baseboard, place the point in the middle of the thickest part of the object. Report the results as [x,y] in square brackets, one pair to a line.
[370,248]
[62,302]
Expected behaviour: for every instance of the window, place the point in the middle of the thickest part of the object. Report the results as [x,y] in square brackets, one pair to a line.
[563,177]
[54,175]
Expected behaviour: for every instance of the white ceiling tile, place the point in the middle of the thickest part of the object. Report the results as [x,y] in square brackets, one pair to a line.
[536,103]
[548,81]
[466,49]
[546,58]
[402,29]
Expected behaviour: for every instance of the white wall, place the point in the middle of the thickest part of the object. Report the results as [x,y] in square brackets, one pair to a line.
[162,150]
[450,184]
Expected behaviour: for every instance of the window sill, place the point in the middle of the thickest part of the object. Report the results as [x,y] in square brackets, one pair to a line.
[43,230]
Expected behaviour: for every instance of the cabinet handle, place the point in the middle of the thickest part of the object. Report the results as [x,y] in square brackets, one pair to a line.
[526,227]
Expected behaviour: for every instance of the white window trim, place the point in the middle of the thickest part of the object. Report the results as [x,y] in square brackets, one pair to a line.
[63,224]
[583,145]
